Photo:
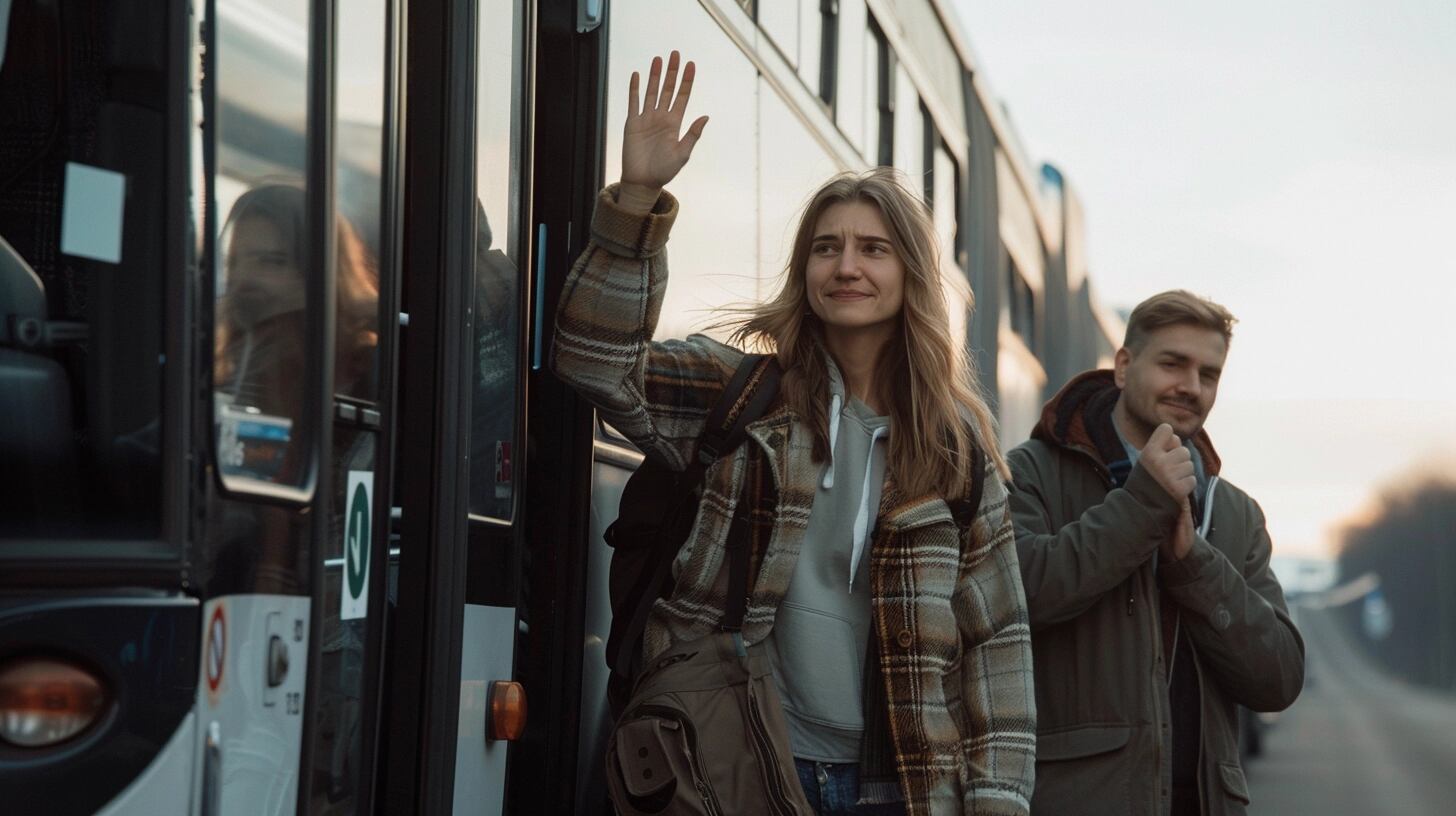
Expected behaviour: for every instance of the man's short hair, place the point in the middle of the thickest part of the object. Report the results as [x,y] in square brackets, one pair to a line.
[1176,307]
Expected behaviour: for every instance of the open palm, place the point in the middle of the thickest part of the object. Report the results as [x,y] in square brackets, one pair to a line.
[652,152]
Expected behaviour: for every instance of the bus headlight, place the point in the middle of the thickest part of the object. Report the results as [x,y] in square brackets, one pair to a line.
[44,701]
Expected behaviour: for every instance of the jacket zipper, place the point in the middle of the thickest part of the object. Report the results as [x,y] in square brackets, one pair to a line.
[1202,728]
[700,774]
[768,759]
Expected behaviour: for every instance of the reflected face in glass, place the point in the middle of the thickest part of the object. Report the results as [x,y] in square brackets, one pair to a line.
[855,278]
[1173,378]
[264,278]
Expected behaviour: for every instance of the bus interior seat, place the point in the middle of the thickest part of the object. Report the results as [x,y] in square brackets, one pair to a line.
[37,453]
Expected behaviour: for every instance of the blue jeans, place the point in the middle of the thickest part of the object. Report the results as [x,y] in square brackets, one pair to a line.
[833,788]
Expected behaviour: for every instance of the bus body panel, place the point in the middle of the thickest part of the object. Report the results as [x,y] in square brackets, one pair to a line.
[260,723]
[162,784]
[487,651]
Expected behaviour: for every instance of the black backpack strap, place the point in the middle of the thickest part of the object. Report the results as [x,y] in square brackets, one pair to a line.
[765,386]
[735,605]
[964,510]
[757,379]
[747,396]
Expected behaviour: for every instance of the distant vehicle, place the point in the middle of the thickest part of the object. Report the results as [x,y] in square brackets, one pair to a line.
[1301,576]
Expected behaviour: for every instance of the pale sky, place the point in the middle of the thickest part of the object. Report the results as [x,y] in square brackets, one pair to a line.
[1295,161]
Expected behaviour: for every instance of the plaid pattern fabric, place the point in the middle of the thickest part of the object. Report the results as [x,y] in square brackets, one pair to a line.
[947,603]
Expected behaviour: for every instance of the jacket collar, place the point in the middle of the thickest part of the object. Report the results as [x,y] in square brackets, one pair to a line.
[1079,418]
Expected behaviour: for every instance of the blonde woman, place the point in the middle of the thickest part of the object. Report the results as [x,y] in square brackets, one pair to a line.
[897,628]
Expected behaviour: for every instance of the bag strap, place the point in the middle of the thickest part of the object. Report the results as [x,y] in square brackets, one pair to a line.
[747,396]
[735,606]
[965,510]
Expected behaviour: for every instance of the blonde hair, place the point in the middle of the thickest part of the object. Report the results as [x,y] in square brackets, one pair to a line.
[928,379]
[1176,307]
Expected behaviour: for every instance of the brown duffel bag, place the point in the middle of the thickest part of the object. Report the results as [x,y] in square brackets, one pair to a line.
[703,732]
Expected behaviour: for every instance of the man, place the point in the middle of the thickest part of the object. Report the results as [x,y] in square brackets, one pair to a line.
[1154,614]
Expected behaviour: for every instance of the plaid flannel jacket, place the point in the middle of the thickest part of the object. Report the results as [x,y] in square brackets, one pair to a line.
[947,599]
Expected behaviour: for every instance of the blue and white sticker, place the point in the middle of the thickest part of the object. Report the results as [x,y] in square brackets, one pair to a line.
[358,516]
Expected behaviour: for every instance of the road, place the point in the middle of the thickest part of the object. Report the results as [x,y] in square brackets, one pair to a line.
[1357,741]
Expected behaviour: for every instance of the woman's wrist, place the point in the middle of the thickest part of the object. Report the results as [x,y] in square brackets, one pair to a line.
[637,198]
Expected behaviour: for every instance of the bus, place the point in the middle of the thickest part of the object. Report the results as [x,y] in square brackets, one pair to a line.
[293,516]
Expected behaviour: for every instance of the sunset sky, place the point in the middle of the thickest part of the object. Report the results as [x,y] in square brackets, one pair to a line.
[1295,161]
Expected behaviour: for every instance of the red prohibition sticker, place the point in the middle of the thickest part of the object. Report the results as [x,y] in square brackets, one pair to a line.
[216,648]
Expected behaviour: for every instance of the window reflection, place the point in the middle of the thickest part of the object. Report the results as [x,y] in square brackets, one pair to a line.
[262,247]
[261,333]
[494,357]
[495,343]
[260,339]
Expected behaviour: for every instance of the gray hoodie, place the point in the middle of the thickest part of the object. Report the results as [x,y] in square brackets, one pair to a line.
[821,631]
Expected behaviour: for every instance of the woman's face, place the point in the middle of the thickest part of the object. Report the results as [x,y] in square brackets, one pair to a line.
[855,277]
[263,278]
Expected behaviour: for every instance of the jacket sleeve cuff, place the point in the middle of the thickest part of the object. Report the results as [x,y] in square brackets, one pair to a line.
[631,234]
[1186,569]
[1151,495]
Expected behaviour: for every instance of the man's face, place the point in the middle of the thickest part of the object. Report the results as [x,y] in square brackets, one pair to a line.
[1173,378]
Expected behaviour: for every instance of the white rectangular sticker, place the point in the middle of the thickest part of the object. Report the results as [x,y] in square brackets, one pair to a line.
[92,212]
[358,516]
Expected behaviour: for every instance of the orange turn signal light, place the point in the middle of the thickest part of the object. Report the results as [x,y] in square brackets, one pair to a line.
[45,702]
[507,710]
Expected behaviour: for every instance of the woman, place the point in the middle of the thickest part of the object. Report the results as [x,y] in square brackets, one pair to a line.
[862,563]
[261,335]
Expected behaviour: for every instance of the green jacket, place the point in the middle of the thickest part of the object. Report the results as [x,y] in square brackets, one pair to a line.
[1087,554]
[947,604]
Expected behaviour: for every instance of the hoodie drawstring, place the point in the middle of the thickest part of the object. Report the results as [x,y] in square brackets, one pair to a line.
[836,403]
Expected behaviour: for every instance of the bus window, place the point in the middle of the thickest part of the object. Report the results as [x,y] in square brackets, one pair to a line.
[497,261]
[263,250]
[83,261]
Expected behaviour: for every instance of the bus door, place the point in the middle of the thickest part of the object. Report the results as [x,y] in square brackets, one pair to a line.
[298,209]
[451,704]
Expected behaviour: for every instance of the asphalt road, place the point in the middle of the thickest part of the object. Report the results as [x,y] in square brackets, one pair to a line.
[1357,741]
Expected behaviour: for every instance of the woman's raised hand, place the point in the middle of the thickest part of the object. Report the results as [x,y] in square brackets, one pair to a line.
[652,152]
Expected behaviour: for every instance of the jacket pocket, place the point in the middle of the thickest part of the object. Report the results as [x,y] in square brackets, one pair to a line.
[653,753]
[1085,770]
[1232,777]
[825,645]
[1086,741]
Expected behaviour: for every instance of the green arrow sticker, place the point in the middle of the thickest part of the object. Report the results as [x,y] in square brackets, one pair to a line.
[354,594]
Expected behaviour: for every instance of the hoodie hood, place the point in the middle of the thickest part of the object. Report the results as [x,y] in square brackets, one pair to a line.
[1080,417]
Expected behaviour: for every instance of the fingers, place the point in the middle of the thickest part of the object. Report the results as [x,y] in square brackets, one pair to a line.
[1163,438]
[685,91]
[690,139]
[632,108]
[1181,474]
[1179,463]
[669,82]
[649,100]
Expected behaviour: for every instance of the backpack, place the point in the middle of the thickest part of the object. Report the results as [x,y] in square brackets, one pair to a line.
[656,513]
